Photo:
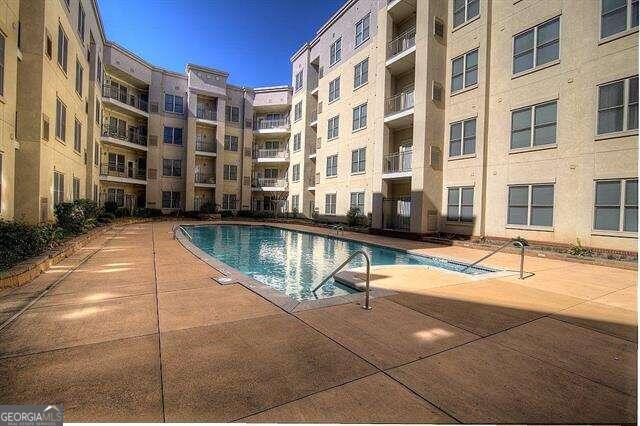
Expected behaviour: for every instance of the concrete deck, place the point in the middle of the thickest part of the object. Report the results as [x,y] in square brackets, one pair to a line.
[136,329]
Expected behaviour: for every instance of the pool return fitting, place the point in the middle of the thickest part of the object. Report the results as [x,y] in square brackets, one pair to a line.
[335,271]
[518,242]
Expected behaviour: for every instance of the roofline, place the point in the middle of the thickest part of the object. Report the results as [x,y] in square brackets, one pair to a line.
[206,69]
[268,89]
[143,61]
[299,52]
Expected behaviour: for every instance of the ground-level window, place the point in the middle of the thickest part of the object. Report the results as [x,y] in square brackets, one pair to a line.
[357,201]
[76,188]
[531,205]
[170,200]
[116,195]
[460,204]
[616,205]
[330,204]
[228,201]
[295,203]
[58,188]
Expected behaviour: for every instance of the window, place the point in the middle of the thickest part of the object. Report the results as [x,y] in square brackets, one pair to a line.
[334,89]
[359,117]
[335,52]
[295,203]
[618,106]
[116,162]
[63,47]
[229,201]
[544,126]
[77,136]
[460,205]
[81,19]
[58,188]
[173,103]
[95,193]
[96,153]
[170,200]
[297,141]
[332,165]
[357,201]
[616,205]
[464,71]
[49,46]
[298,85]
[464,10]
[173,135]
[98,118]
[79,77]
[230,143]
[232,114]
[116,195]
[99,70]
[76,188]
[530,205]
[617,16]
[271,173]
[358,160]
[333,127]
[172,168]
[330,204]
[297,111]
[295,173]
[362,31]
[61,120]
[230,172]
[462,138]
[2,43]
[536,46]
[361,73]
[438,28]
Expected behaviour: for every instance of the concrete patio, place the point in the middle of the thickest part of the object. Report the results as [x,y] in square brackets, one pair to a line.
[137,330]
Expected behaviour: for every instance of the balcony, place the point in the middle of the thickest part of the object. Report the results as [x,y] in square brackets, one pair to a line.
[206,149]
[206,115]
[125,100]
[311,184]
[401,9]
[401,53]
[119,173]
[271,126]
[312,151]
[313,87]
[132,138]
[270,184]
[313,118]
[271,155]
[205,180]
[398,165]
[396,213]
[398,109]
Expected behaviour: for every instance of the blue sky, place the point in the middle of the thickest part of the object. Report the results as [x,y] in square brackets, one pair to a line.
[251,39]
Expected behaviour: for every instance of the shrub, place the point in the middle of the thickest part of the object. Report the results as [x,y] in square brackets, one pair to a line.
[70,217]
[580,250]
[208,207]
[245,213]
[19,241]
[146,212]
[110,207]
[226,213]
[106,217]
[122,212]
[353,216]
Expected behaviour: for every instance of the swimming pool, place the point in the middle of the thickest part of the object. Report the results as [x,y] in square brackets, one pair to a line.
[295,262]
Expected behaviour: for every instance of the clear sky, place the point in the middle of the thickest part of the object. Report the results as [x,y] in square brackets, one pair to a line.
[251,39]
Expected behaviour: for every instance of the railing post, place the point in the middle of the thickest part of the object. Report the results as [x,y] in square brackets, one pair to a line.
[521,260]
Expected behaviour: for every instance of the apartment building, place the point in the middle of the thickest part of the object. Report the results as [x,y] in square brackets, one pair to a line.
[485,118]
[474,117]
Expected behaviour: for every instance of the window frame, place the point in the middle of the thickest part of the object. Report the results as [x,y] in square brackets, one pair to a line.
[327,204]
[628,28]
[175,166]
[227,172]
[365,19]
[528,225]
[459,220]
[297,142]
[358,194]
[334,89]
[333,124]
[174,103]
[467,19]
[360,162]
[297,111]
[79,78]
[535,28]
[299,78]
[361,118]
[532,127]
[58,193]
[331,165]
[295,173]
[464,57]
[173,135]
[173,197]
[228,145]
[622,206]
[77,136]
[61,120]
[3,42]
[361,75]
[63,49]
[82,17]
[463,136]
[75,188]
[625,108]
[335,52]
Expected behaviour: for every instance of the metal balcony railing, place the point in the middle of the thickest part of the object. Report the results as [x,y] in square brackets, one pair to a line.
[206,113]
[271,153]
[402,42]
[396,213]
[313,85]
[132,134]
[399,102]
[204,178]
[270,183]
[398,162]
[125,96]
[205,146]
[266,124]
[122,171]
[312,149]
[313,116]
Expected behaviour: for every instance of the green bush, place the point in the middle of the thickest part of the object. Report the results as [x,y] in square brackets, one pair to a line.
[106,217]
[110,207]
[146,212]
[354,218]
[122,212]
[226,213]
[245,213]
[208,207]
[19,241]
[77,217]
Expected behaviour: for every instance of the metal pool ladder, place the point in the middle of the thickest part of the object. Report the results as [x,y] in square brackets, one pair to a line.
[338,229]
[335,271]
[518,242]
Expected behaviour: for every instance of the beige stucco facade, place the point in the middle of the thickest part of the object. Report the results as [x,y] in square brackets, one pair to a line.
[435,152]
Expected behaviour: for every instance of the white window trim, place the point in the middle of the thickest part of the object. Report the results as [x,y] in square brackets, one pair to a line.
[460,222]
[327,164]
[337,79]
[359,108]
[467,20]
[359,172]
[531,146]
[610,233]
[361,74]
[328,126]
[535,48]
[626,32]
[339,39]
[367,17]
[625,111]
[462,155]
[528,226]
[464,72]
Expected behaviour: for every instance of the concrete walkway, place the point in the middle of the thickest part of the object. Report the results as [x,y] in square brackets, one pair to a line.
[136,330]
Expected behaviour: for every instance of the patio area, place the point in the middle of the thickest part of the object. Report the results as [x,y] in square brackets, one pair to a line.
[136,329]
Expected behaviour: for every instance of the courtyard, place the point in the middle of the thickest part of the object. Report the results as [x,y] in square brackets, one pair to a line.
[137,329]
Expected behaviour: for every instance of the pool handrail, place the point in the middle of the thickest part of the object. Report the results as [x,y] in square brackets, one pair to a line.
[338,228]
[518,242]
[335,271]
[187,233]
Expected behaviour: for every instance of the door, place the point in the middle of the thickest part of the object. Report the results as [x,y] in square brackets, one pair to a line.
[130,169]
[404,152]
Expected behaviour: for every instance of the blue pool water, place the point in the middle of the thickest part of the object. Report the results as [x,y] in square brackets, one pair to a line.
[295,262]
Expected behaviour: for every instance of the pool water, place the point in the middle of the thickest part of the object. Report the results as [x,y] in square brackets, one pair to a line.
[295,262]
